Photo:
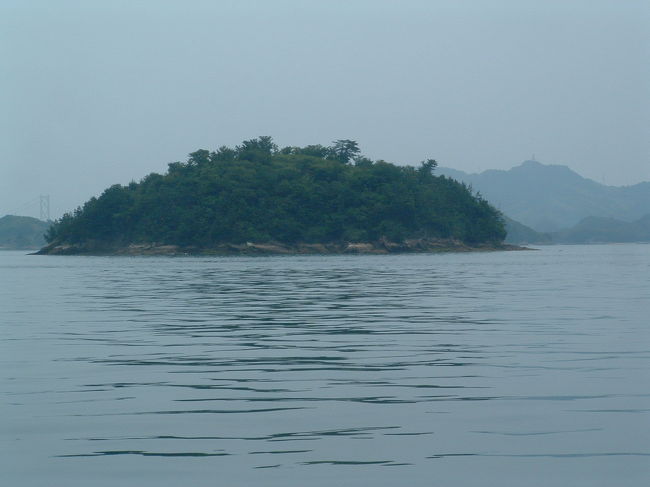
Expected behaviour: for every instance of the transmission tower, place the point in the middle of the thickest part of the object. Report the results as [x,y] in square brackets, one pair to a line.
[45,207]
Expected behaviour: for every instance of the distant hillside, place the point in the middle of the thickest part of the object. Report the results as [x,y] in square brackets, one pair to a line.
[518,233]
[22,232]
[550,198]
[605,230]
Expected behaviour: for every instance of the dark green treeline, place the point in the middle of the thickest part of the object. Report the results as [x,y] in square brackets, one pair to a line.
[259,193]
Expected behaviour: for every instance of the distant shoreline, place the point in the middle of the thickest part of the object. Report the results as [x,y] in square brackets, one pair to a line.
[277,248]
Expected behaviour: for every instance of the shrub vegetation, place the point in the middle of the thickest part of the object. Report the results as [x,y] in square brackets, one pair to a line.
[257,192]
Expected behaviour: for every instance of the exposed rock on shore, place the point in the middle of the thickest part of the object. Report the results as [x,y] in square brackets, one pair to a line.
[276,248]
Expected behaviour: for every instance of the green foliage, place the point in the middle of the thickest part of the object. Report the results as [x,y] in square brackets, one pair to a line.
[344,150]
[259,193]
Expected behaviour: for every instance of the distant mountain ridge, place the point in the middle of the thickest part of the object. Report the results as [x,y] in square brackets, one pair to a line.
[549,198]
[518,233]
[593,229]
[605,230]
[22,232]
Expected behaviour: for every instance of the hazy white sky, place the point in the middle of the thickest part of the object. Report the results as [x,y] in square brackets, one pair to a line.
[94,93]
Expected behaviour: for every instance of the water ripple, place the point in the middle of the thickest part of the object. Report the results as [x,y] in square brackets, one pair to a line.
[286,371]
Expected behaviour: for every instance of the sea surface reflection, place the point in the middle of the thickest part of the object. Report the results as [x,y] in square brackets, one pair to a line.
[504,368]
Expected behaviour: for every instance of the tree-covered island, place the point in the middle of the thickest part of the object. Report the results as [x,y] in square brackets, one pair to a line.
[259,198]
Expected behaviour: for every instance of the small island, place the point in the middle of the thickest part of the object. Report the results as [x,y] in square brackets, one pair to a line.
[259,199]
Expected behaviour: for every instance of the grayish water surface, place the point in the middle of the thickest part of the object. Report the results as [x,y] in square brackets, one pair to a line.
[499,369]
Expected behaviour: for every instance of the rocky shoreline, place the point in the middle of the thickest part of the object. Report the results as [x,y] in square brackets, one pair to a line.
[275,248]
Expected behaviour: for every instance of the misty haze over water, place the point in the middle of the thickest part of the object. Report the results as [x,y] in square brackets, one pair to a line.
[96,93]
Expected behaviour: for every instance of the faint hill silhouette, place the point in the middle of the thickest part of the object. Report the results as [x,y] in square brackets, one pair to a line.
[605,230]
[549,198]
[518,233]
[22,232]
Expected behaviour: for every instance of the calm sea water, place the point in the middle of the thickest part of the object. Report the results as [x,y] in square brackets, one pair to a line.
[481,369]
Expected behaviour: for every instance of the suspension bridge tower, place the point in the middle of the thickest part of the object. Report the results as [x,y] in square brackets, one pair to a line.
[45,207]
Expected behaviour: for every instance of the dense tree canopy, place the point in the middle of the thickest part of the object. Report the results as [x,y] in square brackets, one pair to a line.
[257,192]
